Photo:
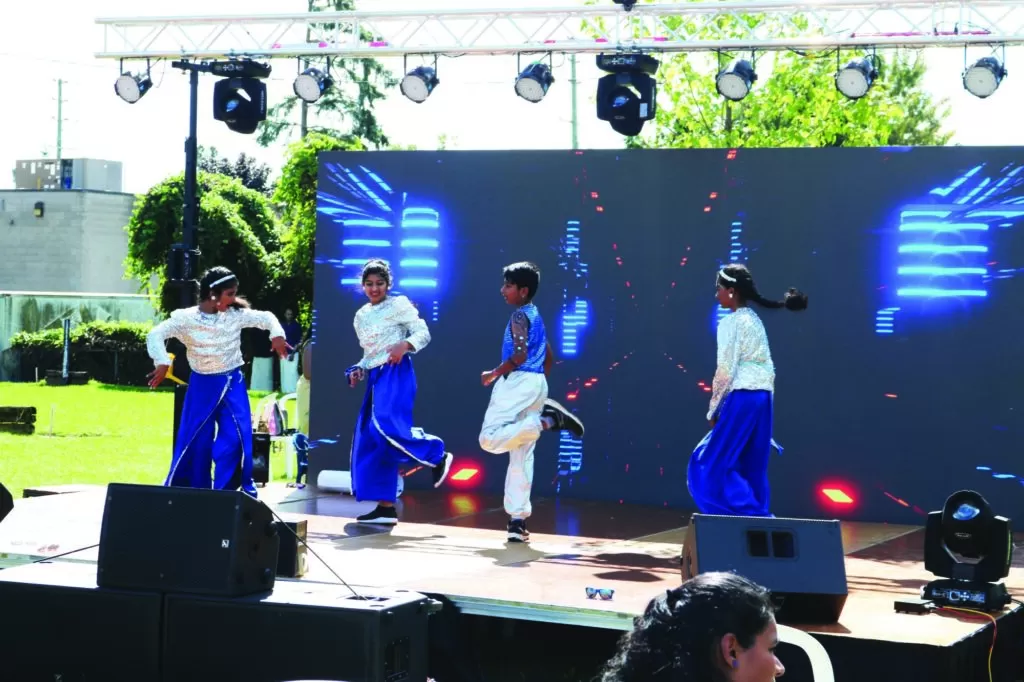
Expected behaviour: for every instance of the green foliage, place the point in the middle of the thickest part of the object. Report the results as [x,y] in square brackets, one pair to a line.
[250,172]
[344,111]
[237,229]
[112,352]
[297,191]
[793,104]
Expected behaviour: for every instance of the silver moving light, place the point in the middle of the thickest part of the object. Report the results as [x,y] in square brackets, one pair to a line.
[533,83]
[856,78]
[984,76]
[131,88]
[419,83]
[311,84]
[735,81]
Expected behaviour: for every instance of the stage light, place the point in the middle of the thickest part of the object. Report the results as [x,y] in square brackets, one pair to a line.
[837,495]
[627,97]
[856,78]
[131,88]
[982,79]
[734,81]
[533,83]
[971,547]
[465,474]
[311,84]
[419,83]
[241,103]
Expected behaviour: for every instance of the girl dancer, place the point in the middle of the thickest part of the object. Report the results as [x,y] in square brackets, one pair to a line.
[389,330]
[728,471]
[216,421]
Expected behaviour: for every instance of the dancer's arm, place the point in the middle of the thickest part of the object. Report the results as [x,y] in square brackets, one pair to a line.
[156,346]
[520,334]
[267,321]
[728,358]
[549,360]
[418,333]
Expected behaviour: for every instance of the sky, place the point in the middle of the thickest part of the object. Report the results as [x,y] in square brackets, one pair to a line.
[475,106]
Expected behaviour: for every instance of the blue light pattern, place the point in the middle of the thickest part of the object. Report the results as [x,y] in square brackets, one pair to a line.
[737,254]
[575,317]
[379,222]
[944,250]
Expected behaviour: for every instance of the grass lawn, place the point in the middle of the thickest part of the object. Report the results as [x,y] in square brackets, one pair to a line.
[101,434]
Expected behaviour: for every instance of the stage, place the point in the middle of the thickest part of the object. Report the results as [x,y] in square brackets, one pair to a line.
[452,545]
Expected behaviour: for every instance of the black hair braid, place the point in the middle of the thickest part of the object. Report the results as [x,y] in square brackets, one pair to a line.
[738,277]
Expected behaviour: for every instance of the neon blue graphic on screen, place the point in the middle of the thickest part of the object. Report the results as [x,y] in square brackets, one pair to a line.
[945,251]
[575,310]
[575,317]
[737,254]
[379,222]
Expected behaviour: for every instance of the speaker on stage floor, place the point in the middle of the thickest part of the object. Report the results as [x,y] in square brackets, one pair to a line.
[292,558]
[59,626]
[261,457]
[800,560]
[302,630]
[216,542]
[6,502]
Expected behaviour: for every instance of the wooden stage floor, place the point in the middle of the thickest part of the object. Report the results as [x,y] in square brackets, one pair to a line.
[453,544]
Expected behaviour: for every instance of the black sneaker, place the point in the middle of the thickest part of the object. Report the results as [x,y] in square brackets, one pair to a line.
[563,418]
[386,516]
[441,470]
[517,531]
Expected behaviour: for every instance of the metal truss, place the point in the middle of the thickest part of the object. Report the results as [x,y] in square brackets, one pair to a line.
[705,25]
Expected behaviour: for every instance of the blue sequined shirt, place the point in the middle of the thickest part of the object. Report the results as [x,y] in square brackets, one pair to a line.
[536,339]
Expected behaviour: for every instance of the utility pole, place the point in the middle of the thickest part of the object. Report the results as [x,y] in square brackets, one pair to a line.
[575,117]
[60,122]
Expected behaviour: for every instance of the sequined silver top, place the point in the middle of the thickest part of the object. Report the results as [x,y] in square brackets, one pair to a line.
[213,340]
[381,326]
[744,358]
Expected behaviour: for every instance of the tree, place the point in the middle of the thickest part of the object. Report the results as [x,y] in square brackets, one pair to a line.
[794,103]
[348,104]
[250,172]
[297,191]
[238,229]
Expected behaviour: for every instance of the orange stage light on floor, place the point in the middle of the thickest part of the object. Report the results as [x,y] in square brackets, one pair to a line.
[465,474]
[837,495]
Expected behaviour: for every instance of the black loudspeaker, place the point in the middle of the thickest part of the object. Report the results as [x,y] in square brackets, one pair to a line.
[59,626]
[292,557]
[260,457]
[312,631]
[6,502]
[800,560]
[218,542]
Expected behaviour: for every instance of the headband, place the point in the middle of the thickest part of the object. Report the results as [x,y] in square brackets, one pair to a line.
[222,280]
[727,278]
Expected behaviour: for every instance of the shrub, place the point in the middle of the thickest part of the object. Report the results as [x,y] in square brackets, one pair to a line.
[111,352]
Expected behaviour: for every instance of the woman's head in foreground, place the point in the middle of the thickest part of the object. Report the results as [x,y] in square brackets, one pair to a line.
[716,627]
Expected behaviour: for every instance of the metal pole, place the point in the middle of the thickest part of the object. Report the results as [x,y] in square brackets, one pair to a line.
[60,127]
[185,256]
[575,116]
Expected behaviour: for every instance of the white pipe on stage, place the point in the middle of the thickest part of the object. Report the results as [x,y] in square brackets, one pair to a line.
[335,481]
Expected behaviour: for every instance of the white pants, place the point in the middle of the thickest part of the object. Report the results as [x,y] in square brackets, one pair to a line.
[512,424]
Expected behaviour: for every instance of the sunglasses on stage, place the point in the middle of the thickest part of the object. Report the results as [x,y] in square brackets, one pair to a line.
[602,593]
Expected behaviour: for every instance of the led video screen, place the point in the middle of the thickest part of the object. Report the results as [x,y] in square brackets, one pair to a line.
[896,387]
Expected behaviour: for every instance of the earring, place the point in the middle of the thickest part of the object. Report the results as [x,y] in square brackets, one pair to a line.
[730,294]
[735,663]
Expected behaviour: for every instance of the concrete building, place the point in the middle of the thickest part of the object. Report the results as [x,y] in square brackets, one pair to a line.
[62,228]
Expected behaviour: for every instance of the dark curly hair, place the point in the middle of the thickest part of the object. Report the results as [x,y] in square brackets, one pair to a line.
[377,266]
[676,638]
[737,277]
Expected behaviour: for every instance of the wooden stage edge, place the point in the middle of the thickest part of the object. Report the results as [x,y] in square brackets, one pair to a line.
[453,544]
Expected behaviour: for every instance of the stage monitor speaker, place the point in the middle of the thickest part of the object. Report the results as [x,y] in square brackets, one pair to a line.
[6,502]
[261,457]
[292,559]
[217,542]
[59,626]
[302,630]
[800,560]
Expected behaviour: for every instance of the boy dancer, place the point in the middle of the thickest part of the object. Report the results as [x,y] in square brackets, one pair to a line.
[520,409]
